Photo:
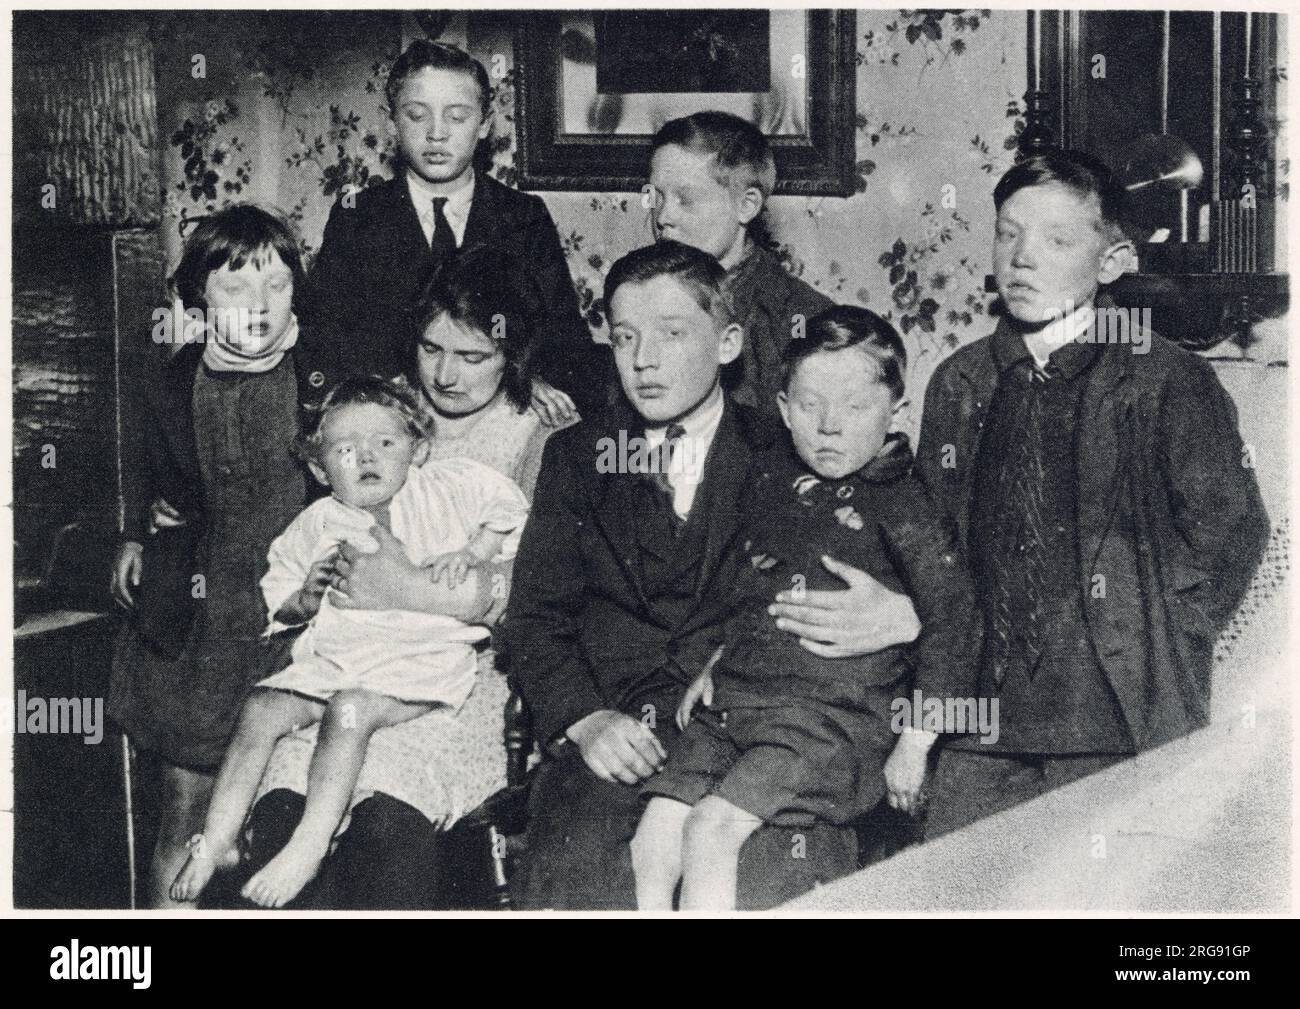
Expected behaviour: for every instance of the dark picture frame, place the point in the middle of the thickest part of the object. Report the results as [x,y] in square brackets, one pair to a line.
[816,161]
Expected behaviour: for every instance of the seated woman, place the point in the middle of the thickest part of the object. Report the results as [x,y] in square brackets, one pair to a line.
[469,372]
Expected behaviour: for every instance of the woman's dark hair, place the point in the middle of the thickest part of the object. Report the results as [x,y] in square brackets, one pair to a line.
[425,53]
[487,291]
[843,326]
[1082,173]
[363,389]
[233,237]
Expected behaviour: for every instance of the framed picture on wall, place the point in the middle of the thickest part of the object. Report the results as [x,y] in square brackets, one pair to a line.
[594,87]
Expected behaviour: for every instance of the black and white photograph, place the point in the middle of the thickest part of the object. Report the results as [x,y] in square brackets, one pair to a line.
[662,462]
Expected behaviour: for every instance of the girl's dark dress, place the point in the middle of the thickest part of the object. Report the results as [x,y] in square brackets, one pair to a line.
[244,424]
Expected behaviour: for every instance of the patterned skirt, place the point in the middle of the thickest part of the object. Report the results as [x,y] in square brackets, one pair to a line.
[443,764]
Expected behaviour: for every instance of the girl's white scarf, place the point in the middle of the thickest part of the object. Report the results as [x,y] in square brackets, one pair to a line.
[225,355]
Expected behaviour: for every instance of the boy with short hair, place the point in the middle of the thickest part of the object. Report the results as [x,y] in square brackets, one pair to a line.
[787,737]
[620,588]
[711,175]
[1101,496]
[383,244]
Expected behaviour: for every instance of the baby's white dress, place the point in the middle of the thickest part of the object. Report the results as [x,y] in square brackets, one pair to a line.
[418,657]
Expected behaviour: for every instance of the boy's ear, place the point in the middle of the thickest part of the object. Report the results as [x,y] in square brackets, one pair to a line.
[1114,261]
[318,471]
[730,341]
[783,405]
[896,413]
[421,454]
[750,205]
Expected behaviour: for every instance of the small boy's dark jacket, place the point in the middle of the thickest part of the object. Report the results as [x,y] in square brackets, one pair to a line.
[374,263]
[1171,523]
[170,467]
[879,520]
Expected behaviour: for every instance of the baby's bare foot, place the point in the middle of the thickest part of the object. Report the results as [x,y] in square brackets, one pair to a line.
[204,861]
[284,876]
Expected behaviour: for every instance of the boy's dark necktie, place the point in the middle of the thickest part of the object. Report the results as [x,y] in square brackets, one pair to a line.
[661,459]
[1018,607]
[444,239]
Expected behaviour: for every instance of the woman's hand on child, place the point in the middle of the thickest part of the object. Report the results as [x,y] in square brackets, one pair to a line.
[700,690]
[455,565]
[905,770]
[375,581]
[126,573]
[551,405]
[862,619]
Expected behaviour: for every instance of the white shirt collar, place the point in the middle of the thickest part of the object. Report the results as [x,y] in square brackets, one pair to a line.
[686,470]
[1057,334]
[700,424]
[456,208]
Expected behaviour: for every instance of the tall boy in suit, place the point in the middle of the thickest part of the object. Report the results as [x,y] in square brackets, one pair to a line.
[383,244]
[617,600]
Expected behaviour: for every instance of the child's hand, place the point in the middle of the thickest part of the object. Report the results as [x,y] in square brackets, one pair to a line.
[905,770]
[126,573]
[700,690]
[319,578]
[456,565]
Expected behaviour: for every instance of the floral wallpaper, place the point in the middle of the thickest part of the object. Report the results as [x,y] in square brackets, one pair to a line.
[939,107]
[284,109]
[288,109]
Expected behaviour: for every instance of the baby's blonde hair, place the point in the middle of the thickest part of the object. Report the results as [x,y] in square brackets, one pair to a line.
[363,389]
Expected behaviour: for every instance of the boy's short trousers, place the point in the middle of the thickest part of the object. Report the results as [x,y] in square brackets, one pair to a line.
[788,765]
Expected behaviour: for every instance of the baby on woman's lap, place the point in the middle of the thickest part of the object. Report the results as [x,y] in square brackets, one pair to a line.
[356,671]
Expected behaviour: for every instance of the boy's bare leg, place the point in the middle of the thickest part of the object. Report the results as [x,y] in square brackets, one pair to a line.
[185,797]
[715,832]
[351,718]
[657,853]
[267,715]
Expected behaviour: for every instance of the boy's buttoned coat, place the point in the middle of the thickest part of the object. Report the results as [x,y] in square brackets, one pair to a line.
[584,633]
[586,630]
[1170,521]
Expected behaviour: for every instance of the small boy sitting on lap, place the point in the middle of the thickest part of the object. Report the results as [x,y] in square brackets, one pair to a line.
[785,736]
